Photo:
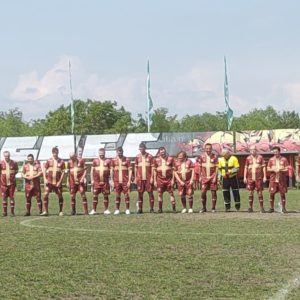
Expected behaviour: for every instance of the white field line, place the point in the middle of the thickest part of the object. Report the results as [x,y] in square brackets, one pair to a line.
[28,223]
[289,286]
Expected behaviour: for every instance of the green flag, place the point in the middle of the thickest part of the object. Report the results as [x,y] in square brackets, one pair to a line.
[72,109]
[229,111]
[149,99]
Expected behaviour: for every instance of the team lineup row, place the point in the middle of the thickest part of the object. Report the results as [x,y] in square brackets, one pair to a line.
[150,173]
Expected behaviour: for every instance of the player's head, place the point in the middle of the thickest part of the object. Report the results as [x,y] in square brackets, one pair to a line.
[30,158]
[162,151]
[276,150]
[120,151]
[6,155]
[142,148]
[181,156]
[55,152]
[226,153]
[208,148]
[253,150]
[73,155]
[101,153]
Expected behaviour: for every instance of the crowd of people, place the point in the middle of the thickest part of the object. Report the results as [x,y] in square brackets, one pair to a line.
[160,173]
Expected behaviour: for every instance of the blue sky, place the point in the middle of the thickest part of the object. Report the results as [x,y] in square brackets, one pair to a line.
[109,42]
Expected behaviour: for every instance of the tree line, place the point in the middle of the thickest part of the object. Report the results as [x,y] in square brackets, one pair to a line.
[105,117]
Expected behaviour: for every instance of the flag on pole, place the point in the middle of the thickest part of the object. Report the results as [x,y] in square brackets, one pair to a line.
[229,111]
[72,109]
[149,99]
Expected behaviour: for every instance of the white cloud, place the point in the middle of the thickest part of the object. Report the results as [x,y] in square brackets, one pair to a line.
[195,91]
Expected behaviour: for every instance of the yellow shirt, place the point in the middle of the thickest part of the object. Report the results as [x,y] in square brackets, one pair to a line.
[231,166]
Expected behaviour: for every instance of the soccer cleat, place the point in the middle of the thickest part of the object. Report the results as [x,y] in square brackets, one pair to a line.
[271,210]
[190,211]
[117,212]
[92,212]
[203,210]
[227,209]
[250,210]
[127,212]
[184,211]
[213,210]
[12,214]
[160,211]
[61,214]
[139,211]
[4,214]
[284,211]
[73,213]
[237,209]
[262,211]
[174,210]
[151,211]
[44,214]
[27,214]
[106,212]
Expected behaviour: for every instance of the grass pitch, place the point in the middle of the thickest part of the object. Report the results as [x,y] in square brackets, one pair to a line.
[150,256]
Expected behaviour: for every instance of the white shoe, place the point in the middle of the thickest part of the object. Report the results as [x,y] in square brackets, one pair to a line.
[92,212]
[117,212]
[184,211]
[44,213]
[127,212]
[106,212]
[213,210]
[61,214]
[190,211]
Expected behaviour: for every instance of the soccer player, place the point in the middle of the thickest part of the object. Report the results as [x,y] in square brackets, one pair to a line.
[8,170]
[164,177]
[255,175]
[184,175]
[208,177]
[76,181]
[278,167]
[53,177]
[32,172]
[100,175]
[228,169]
[144,177]
[122,175]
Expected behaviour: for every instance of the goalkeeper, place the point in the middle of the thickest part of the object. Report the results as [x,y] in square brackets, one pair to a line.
[228,169]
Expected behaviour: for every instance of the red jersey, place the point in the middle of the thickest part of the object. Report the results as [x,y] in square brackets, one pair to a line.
[184,169]
[276,176]
[255,166]
[8,172]
[76,170]
[121,168]
[101,171]
[144,165]
[164,168]
[32,170]
[54,170]
[207,165]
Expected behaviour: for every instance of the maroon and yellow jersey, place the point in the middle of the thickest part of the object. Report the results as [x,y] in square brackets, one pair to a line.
[276,175]
[255,166]
[121,168]
[184,169]
[207,165]
[76,170]
[144,165]
[101,171]
[164,168]
[8,172]
[32,170]
[54,169]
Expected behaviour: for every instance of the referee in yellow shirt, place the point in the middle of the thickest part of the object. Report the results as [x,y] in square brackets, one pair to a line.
[228,169]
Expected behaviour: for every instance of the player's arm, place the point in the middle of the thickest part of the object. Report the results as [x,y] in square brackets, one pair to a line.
[245,172]
[84,173]
[297,170]
[129,174]
[61,176]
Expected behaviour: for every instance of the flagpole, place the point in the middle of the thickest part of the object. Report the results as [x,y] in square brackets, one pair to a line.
[149,99]
[72,110]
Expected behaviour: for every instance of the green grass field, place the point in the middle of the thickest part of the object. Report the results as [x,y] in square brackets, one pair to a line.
[150,256]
